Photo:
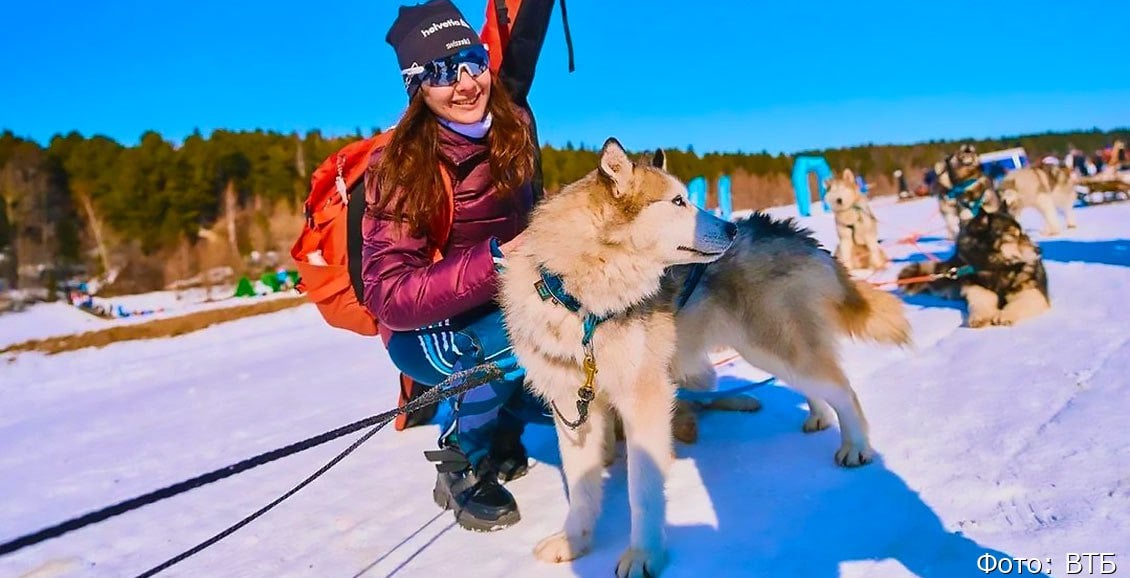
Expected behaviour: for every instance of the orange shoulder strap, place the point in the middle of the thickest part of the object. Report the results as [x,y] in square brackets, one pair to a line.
[444,221]
[496,31]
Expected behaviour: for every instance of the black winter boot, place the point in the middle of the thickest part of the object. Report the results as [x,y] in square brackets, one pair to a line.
[478,499]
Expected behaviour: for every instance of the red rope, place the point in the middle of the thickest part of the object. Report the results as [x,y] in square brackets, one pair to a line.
[907,280]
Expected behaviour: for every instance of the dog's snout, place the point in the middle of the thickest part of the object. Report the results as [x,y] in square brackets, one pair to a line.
[731,230]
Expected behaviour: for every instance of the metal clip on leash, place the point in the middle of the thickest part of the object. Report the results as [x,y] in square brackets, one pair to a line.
[585,394]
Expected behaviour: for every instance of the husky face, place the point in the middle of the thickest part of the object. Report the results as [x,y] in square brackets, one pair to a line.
[966,157]
[651,214]
[964,165]
[842,192]
[614,233]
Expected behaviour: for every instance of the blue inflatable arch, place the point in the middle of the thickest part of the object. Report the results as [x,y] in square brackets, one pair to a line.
[696,191]
[725,197]
[803,165]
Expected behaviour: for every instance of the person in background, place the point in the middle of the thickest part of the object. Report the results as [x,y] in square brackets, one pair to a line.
[904,189]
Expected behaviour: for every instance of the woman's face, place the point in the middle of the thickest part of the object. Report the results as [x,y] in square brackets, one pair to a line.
[464,102]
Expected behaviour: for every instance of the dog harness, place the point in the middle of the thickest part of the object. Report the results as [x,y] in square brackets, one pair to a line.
[551,287]
[959,189]
[858,208]
[955,273]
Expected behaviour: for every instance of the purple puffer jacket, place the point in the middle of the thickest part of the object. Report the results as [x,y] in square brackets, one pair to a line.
[403,287]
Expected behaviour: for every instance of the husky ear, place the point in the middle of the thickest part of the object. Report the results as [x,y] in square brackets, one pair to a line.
[848,176]
[616,167]
[659,160]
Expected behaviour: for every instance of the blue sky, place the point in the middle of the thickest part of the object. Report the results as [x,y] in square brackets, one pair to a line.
[717,75]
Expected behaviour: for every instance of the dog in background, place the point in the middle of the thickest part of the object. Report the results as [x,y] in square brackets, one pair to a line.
[963,189]
[1046,189]
[856,225]
[995,267]
[591,297]
[940,188]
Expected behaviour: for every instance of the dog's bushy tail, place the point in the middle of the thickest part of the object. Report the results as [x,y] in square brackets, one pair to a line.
[868,313]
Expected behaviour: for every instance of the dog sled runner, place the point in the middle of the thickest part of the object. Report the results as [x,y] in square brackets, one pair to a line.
[1103,188]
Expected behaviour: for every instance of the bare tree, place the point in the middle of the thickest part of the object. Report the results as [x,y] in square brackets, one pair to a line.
[87,204]
[299,157]
[231,207]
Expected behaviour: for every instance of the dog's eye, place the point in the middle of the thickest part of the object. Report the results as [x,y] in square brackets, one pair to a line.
[679,201]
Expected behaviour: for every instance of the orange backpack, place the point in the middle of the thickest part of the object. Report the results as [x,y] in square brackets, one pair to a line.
[328,250]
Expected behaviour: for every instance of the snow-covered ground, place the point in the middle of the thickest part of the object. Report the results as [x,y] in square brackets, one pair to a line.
[1007,441]
[43,320]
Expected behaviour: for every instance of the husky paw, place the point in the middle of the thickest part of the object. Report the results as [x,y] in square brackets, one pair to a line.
[641,563]
[1005,320]
[850,455]
[978,322]
[561,548]
[685,428]
[816,423]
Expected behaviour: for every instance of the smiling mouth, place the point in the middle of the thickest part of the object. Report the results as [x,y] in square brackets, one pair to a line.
[467,103]
[697,252]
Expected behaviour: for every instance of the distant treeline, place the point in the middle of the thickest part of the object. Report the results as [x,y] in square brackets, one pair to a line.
[760,180]
[172,210]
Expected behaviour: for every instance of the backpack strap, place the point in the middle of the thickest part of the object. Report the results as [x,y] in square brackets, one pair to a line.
[496,31]
[568,35]
[441,228]
[355,215]
[514,33]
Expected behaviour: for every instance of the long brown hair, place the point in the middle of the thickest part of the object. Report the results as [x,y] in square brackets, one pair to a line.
[407,183]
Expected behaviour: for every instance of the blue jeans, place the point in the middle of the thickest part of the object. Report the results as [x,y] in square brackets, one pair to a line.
[431,354]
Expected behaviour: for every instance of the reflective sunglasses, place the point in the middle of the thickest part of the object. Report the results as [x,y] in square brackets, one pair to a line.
[445,71]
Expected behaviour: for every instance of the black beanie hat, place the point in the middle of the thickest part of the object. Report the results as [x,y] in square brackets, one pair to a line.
[429,31]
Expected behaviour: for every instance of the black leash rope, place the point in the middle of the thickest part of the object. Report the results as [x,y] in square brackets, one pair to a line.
[470,378]
[231,529]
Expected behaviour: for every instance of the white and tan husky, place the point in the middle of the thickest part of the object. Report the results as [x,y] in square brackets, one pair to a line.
[1046,189]
[610,252]
[856,224]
